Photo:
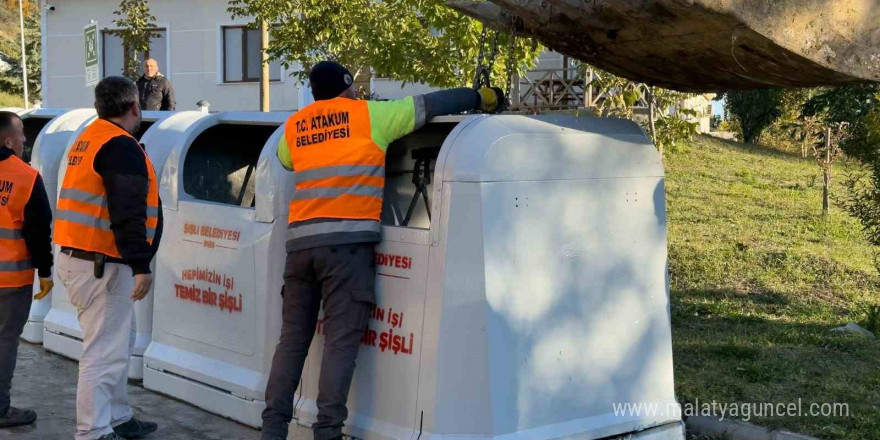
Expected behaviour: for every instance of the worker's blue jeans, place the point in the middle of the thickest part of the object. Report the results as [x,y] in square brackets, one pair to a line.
[15,305]
[343,277]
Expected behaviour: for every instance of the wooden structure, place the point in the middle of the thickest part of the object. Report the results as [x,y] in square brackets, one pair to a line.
[704,45]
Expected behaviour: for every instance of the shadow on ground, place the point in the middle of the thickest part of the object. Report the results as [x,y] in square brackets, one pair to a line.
[47,383]
[765,347]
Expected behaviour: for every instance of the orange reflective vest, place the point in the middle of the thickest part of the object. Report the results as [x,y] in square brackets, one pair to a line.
[340,174]
[82,219]
[16,185]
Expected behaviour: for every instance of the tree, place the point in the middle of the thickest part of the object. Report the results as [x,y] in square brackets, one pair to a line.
[619,96]
[10,53]
[30,7]
[825,153]
[853,105]
[755,110]
[788,131]
[806,130]
[407,40]
[673,128]
[136,26]
[863,200]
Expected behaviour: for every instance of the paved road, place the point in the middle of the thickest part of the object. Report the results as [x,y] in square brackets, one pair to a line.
[47,383]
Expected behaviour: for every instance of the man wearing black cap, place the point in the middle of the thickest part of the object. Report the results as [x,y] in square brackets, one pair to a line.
[337,148]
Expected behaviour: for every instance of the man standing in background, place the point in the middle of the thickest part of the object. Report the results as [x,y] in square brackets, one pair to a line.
[155,91]
[25,246]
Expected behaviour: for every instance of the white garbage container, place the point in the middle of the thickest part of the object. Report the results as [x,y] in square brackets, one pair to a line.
[63,334]
[48,134]
[531,302]
[218,272]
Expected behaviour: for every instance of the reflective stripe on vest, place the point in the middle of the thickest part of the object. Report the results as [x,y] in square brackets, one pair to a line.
[308,230]
[17,181]
[339,170]
[82,219]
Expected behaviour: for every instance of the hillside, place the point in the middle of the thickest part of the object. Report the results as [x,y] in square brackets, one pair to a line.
[9,22]
[758,279]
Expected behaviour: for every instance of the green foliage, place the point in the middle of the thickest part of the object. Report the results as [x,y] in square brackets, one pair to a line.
[673,126]
[619,94]
[850,104]
[805,131]
[871,313]
[675,131]
[863,200]
[792,102]
[135,27]
[407,40]
[843,104]
[755,110]
[727,125]
[793,131]
[10,52]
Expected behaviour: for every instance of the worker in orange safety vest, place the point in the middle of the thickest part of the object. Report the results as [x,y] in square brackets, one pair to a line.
[336,147]
[108,225]
[25,248]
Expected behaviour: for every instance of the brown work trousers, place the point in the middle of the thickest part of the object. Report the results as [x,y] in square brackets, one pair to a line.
[343,278]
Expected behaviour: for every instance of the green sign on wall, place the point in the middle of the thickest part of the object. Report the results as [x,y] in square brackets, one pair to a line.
[93,72]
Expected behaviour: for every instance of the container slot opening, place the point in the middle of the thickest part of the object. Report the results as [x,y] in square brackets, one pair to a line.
[409,176]
[422,171]
[145,125]
[221,163]
[32,128]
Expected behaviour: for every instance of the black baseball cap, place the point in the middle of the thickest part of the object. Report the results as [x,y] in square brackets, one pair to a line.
[328,79]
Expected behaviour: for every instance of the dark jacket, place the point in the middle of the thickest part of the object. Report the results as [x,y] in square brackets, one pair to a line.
[37,229]
[120,164]
[156,93]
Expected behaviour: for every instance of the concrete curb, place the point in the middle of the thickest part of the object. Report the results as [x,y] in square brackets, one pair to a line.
[737,430]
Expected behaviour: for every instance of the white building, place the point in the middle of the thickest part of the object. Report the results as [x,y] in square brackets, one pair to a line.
[202,50]
[209,56]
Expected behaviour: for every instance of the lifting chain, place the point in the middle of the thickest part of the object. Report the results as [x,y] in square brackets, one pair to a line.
[479,59]
[483,73]
[508,85]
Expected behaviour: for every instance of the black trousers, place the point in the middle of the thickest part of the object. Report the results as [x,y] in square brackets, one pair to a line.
[343,277]
[15,305]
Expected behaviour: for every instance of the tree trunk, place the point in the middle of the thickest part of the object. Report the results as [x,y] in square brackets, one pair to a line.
[748,135]
[264,67]
[826,171]
[826,179]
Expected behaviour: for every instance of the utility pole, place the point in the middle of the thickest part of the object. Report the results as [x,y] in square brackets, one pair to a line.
[651,124]
[264,66]
[24,74]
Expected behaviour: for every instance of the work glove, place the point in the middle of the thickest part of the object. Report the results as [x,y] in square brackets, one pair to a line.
[46,285]
[492,100]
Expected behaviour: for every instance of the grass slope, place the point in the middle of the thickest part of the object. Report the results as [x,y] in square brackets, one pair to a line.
[7,100]
[758,277]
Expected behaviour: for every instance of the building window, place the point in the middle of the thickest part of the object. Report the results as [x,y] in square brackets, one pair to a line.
[241,56]
[114,53]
